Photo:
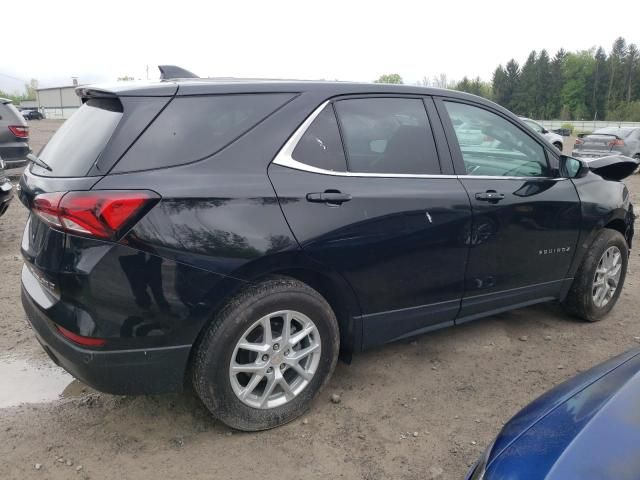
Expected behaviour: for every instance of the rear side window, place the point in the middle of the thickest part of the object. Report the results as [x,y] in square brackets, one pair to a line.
[192,128]
[387,135]
[320,146]
[77,144]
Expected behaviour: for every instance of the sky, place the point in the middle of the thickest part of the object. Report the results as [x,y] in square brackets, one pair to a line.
[343,40]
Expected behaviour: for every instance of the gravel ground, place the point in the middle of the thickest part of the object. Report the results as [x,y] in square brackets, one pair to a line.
[419,409]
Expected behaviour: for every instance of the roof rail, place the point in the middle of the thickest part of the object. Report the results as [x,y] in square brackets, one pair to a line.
[171,72]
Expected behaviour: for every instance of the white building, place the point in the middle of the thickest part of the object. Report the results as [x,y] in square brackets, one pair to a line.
[58,102]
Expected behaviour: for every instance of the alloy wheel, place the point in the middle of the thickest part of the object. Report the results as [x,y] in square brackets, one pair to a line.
[275,359]
[607,277]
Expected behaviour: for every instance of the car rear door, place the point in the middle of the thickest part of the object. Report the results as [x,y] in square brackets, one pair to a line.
[526,219]
[367,192]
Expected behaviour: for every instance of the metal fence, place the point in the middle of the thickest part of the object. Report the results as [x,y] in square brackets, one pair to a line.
[585,125]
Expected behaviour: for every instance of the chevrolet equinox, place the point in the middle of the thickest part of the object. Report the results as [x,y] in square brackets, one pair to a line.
[237,236]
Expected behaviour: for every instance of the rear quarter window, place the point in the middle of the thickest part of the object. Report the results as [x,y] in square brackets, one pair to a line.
[193,128]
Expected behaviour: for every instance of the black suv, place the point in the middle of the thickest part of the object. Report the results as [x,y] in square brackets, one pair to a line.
[32,115]
[239,235]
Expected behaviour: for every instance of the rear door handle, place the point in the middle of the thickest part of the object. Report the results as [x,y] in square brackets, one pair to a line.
[335,198]
[489,196]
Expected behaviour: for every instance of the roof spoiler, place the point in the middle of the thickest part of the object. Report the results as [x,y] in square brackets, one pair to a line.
[172,72]
[582,135]
[85,93]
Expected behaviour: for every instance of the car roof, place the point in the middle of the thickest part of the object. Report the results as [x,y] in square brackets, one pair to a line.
[205,86]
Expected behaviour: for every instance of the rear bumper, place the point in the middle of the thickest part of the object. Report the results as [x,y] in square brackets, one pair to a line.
[16,163]
[14,154]
[122,372]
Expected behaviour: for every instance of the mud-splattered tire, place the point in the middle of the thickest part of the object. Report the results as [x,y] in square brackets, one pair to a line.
[584,300]
[251,370]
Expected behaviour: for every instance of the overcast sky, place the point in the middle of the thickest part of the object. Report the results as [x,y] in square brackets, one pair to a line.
[346,40]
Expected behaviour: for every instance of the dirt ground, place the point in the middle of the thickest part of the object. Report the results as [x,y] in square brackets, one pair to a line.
[454,389]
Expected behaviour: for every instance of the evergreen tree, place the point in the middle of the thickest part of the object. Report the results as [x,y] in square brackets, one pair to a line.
[527,91]
[512,83]
[543,85]
[557,80]
[499,86]
[615,66]
[597,103]
[631,62]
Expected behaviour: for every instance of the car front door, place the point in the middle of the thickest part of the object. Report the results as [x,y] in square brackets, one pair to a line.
[362,187]
[526,218]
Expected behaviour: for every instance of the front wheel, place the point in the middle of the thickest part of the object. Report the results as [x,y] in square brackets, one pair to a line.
[267,355]
[598,282]
[558,145]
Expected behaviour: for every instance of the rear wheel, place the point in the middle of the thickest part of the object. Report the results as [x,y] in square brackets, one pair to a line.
[598,282]
[267,355]
[558,145]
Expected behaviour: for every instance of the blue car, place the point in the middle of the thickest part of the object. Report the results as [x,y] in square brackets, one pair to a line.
[587,428]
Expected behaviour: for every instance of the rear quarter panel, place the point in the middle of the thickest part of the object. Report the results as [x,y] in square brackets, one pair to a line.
[603,202]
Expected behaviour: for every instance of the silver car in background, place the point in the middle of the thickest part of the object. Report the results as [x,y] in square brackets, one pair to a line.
[553,138]
[608,141]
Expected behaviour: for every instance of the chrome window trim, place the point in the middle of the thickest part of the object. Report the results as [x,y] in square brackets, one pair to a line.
[284,158]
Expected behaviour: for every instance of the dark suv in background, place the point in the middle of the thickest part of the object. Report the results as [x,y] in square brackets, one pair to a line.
[240,235]
[14,135]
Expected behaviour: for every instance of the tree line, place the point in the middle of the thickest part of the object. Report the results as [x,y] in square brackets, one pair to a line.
[583,85]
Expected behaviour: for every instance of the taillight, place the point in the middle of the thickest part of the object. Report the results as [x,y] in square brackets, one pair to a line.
[100,213]
[19,131]
[80,339]
[618,142]
[579,141]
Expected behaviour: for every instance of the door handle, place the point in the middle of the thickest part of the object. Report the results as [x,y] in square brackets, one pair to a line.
[490,196]
[329,197]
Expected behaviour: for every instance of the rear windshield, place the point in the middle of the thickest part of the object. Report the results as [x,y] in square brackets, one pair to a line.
[619,132]
[77,144]
[193,128]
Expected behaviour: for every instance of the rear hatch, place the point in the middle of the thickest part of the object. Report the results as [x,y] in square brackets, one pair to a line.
[57,188]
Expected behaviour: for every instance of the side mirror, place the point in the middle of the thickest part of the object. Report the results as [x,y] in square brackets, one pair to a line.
[573,167]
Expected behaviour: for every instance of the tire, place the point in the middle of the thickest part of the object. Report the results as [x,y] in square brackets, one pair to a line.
[580,300]
[558,145]
[220,345]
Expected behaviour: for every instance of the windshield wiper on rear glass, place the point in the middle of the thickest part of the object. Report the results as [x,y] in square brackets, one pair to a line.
[38,161]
